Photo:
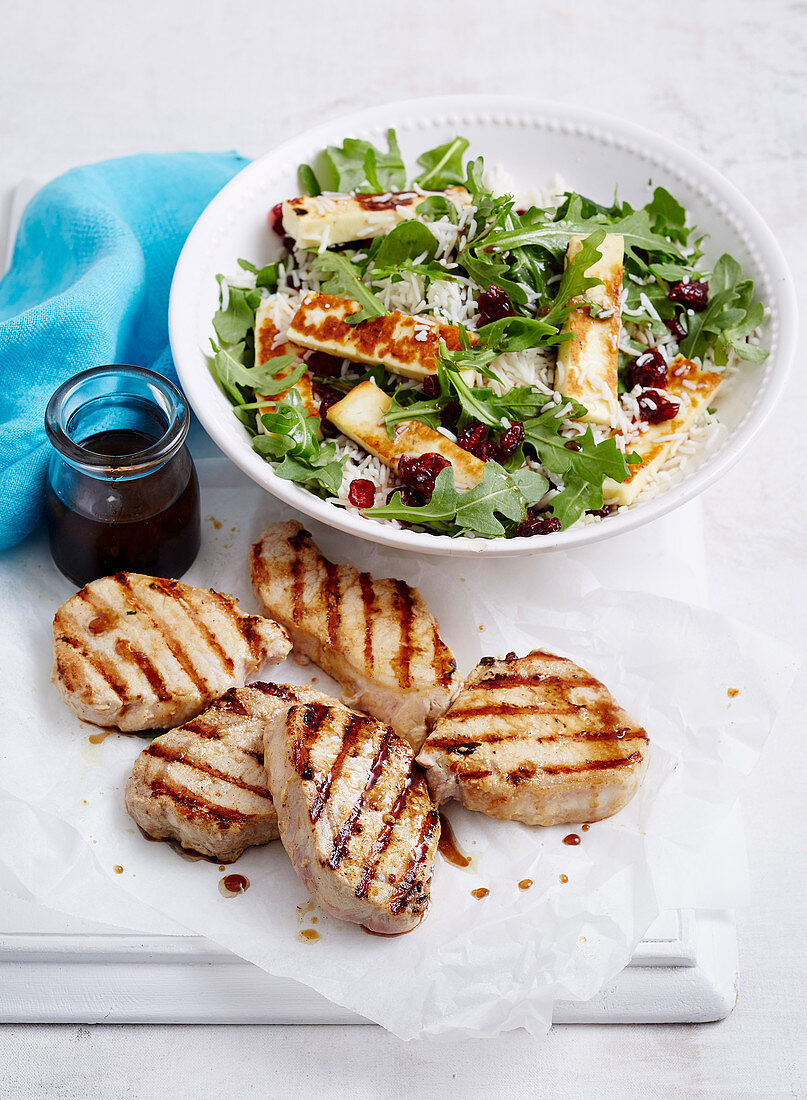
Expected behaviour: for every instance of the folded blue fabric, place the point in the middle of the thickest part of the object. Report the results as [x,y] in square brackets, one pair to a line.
[89,284]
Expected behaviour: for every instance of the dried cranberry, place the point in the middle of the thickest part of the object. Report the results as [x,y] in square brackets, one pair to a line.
[493,304]
[649,369]
[654,407]
[420,471]
[327,397]
[276,219]
[322,363]
[489,451]
[431,385]
[450,415]
[538,523]
[411,498]
[512,438]
[361,493]
[471,436]
[606,510]
[692,295]
[676,328]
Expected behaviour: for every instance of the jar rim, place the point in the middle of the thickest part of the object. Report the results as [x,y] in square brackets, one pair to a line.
[88,385]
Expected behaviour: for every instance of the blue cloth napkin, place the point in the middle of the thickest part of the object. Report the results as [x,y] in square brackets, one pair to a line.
[89,284]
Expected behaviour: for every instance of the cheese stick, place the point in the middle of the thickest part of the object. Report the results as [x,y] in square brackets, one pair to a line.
[267,347]
[401,343]
[693,389]
[359,416]
[312,221]
[587,365]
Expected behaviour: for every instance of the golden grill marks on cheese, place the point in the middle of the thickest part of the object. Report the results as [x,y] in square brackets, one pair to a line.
[376,637]
[268,347]
[204,784]
[140,652]
[693,389]
[587,365]
[339,219]
[359,416]
[401,343]
[535,739]
[354,816]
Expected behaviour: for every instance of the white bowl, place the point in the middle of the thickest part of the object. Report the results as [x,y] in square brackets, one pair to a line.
[533,140]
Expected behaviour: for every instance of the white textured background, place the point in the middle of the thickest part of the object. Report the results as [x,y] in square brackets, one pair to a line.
[98,78]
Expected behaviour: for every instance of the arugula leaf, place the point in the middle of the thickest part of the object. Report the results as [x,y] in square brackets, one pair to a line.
[371,169]
[487,271]
[474,401]
[667,216]
[442,166]
[406,241]
[582,464]
[233,323]
[535,229]
[486,205]
[433,271]
[476,509]
[322,469]
[427,412]
[349,165]
[531,484]
[575,282]
[268,277]
[437,206]
[309,184]
[264,276]
[231,373]
[293,436]
[728,319]
[345,283]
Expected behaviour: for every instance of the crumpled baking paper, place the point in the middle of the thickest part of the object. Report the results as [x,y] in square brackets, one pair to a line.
[706,689]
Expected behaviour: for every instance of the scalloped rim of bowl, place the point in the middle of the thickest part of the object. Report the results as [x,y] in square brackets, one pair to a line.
[778,292]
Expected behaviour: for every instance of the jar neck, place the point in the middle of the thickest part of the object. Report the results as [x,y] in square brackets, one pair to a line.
[117,422]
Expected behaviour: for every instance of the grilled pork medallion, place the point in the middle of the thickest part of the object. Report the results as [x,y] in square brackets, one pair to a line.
[141,652]
[535,739]
[376,637]
[204,784]
[354,816]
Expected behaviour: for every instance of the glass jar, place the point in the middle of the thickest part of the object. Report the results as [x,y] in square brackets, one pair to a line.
[122,490]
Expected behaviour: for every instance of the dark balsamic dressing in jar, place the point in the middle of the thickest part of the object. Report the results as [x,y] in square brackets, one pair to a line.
[122,489]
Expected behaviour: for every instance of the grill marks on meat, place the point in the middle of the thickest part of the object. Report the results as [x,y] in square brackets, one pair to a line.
[204,784]
[376,637]
[535,739]
[354,815]
[142,652]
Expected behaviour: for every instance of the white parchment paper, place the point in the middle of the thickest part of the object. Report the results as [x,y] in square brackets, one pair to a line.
[706,689]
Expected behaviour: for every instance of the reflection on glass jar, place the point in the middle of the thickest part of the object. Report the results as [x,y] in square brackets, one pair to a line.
[122,490]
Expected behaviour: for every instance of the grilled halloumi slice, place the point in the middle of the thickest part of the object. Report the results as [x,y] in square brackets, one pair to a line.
[268,346]
[337,219]
[354,817]
[397,341]
[693,389]
[142,652]
[204,784]
[376,637]
[359,416]
[587,365]
[535,739]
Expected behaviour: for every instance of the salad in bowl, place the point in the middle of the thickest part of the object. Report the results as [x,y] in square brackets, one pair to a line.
[439,348]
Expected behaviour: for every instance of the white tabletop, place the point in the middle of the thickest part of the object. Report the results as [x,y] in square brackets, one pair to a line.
[727,80]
